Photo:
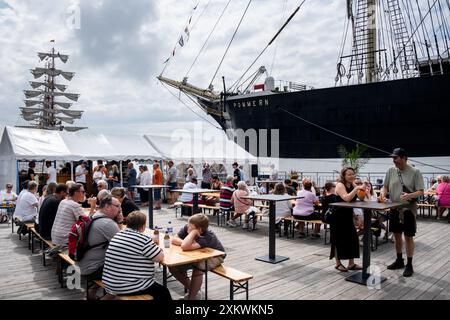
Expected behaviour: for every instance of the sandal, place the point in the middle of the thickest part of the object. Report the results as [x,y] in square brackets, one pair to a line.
[341,268]
[354,267]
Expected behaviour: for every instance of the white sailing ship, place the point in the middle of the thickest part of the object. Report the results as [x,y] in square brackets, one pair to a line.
[43,108]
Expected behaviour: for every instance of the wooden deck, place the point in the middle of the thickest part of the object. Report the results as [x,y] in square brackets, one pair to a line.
[308,274]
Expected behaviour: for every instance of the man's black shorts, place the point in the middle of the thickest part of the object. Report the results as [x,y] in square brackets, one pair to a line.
[408,227]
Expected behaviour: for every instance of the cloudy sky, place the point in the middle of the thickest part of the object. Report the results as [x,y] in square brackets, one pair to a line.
[118,48]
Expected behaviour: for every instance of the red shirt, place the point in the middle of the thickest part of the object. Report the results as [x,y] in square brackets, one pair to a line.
[157,177]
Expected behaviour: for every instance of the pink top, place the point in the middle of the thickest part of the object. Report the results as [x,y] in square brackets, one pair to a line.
[305,206]
[443,192]
[240,205]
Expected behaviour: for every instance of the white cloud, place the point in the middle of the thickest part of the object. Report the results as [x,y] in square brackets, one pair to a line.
[120,48]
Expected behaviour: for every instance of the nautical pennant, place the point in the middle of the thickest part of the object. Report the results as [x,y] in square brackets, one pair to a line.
[186,30]
[167,60]
[181,41]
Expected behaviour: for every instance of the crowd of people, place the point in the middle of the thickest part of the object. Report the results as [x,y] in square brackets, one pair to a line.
[123,257]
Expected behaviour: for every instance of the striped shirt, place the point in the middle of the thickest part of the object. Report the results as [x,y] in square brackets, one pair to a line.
[68,213]
[128,263]
[226,192]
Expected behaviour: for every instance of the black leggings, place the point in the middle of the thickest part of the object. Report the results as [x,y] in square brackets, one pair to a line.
[158,291]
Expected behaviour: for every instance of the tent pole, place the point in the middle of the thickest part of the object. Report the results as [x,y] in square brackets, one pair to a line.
[17,177]
[71,171]
[121,174]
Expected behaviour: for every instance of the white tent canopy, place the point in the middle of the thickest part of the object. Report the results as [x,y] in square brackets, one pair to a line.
[35,144]
[188,148]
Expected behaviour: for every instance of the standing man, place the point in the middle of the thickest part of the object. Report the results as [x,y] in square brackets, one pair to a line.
[50,172]
[206,176]
[171,182]
[404,184]
[80,173]
[132,174]
[157,180]
[236,175]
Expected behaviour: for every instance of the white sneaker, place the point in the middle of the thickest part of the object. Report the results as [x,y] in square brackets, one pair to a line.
[231,223]
[245,226]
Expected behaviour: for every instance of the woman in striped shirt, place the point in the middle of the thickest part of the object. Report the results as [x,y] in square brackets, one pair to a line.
[129,262]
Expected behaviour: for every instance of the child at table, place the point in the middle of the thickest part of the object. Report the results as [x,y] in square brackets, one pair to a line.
[196,235]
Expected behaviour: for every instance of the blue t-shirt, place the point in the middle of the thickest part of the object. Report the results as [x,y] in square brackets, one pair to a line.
[132,177]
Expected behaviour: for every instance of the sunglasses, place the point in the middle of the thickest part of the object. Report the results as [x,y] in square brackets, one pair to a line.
[9,187]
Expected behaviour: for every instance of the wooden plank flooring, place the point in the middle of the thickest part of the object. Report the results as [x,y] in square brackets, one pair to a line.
[307,275]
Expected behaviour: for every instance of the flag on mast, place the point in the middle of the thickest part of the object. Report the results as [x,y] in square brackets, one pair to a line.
[181,41]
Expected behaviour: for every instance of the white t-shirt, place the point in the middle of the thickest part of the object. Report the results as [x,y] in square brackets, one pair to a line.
[187,197]
[51,174]
[26,207]
[82,171]
[4,196]
[98,175]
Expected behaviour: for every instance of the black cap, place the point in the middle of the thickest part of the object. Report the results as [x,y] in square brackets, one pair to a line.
[235,164]
[399,152]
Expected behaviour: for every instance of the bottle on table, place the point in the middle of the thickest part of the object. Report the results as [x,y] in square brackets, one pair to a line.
[166,240]
[170,228]
[155,237]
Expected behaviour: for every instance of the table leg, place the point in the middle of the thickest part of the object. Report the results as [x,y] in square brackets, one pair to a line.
[206,279]
[150,208]
[272,258]
[195,203]
[361,277]
[165,276]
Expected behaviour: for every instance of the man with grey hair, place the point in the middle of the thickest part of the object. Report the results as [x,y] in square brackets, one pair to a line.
[103,229]
[102,185]
[27,204]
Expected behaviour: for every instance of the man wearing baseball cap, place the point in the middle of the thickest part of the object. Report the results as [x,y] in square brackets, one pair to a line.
[404,184]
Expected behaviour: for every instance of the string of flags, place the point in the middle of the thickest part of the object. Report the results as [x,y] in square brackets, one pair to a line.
[184,37]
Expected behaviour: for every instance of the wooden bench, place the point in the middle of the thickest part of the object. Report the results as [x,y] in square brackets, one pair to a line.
[63,260]
[423,206]
[124,297]
[293,220]
[238,279]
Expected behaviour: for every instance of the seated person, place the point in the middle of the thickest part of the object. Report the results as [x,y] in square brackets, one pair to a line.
[130,262]
[7,196]
[69,210]
[196,235]
[126,204]
[443,197]
[216,184]
[242,206]
[27,206]
[288,185]
[188,198]
[304,209]
[283,209]
[48,210]
[102,230]
[226,193]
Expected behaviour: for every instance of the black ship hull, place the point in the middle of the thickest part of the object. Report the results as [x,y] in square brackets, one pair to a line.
[411,113]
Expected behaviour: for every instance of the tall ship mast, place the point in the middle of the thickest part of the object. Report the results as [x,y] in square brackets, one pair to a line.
[391,85]
[43,108]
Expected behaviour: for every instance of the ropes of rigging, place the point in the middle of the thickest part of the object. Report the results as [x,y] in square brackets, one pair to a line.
[276,46]
[236,84]
[187,106]
[412,35]
[353,140]
[207,39]
[229,44]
